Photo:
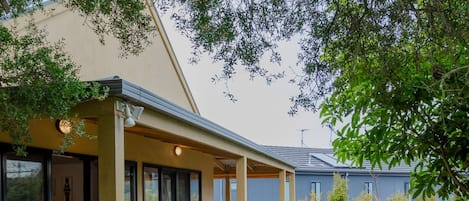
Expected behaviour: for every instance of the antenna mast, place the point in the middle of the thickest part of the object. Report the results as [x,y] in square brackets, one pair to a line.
[302,136]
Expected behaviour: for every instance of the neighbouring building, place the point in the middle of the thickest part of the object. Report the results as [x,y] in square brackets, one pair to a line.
[171,153]
[314,172]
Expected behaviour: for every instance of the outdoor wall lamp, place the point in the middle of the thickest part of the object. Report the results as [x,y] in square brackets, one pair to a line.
[63,126]
[130,112]
[177,150]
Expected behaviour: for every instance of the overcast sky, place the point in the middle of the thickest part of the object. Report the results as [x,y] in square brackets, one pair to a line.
[260,114]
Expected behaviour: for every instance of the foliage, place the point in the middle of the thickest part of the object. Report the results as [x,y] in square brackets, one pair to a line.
[339,189]
[315,197]
[397,68]
[37,81]
[421,198]
[125,20]
[25,188]
[365,197]
[399,196]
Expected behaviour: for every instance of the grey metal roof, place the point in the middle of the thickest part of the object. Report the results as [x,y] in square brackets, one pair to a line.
[308,162]
[129,91]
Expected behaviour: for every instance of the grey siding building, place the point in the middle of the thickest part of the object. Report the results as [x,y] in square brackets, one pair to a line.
[315,168]
[314,171]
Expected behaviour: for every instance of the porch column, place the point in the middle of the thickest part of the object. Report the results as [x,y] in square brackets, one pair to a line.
[227,188]
[241,179]
[282,179]
[111,156]
[291,177]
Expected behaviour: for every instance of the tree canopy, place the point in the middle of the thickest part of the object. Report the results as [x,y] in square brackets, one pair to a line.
[397,68]
[37,77]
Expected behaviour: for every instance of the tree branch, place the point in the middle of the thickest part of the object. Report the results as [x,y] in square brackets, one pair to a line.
[5,6]
[453,175]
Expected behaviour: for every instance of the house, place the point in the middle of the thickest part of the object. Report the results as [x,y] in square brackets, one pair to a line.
[316,166]
[314,172]
[169,153]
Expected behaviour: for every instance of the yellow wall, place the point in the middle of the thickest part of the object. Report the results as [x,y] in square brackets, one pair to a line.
[137,148]
[44,135]
[146,150]
[153,69]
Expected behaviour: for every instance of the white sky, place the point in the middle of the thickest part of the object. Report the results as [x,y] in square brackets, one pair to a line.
[260,114]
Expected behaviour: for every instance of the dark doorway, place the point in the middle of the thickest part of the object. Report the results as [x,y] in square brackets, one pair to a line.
[74,178]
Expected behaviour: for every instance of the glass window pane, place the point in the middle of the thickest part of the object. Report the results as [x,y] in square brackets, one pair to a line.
[182,187]
[25,180]
[195,186]
[369,187]
[316,190]
[166,186]
[150,177]
[129,183]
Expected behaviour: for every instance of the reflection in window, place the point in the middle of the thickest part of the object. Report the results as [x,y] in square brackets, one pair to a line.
[166,186]
[150,177]
[183,186]
[195,186]
[406,191]
[130,183]
[368,188]
[174,184]
[316,189]
[25,180]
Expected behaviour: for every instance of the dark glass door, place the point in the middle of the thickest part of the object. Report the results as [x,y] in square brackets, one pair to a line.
[168,185]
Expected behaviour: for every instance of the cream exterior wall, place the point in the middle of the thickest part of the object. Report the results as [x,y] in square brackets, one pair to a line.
[156,69]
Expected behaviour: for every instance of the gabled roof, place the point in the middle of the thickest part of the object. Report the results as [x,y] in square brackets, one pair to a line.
[318,160]
[170,50]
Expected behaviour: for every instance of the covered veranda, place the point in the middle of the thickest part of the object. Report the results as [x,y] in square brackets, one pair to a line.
[213,150]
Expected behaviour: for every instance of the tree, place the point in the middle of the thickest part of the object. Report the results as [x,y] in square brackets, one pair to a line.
[39,80]
[339,189]
[397,68]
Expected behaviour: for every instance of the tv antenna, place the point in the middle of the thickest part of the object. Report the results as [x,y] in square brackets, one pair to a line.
[302,136]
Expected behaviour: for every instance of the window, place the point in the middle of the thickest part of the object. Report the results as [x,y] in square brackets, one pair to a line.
[195,186]
[42,176]
[170,184]
[316,189]
[150,184]
[130,181]
[25,177]
[406,191]
[368,187]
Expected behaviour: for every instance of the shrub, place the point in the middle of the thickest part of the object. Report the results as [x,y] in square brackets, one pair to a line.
[399,196]
[364,197]
[315,197]
[339,190]
[431,198]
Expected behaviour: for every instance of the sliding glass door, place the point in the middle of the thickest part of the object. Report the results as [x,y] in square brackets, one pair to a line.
[173,185]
